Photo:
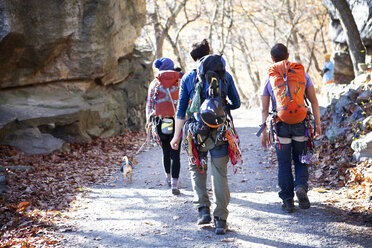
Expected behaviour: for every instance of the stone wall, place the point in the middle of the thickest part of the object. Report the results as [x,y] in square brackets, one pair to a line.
[69,71]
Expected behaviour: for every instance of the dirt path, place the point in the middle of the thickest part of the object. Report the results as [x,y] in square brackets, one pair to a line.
[146,214]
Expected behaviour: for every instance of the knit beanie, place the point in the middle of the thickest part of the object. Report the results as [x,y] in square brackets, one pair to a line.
[163,64]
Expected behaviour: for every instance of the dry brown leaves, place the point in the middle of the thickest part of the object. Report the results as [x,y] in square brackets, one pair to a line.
[335,167]
[37,201]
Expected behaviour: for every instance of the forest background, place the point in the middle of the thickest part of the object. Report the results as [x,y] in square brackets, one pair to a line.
[244,32]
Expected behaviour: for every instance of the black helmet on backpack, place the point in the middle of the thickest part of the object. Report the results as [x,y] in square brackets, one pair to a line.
[212,112]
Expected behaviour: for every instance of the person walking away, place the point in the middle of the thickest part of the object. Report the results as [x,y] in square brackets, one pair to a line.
[160,111]
[290,124]
[218,152]
[327,71]
[327,76]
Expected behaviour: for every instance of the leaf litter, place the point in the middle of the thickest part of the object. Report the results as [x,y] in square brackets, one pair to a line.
[37,201]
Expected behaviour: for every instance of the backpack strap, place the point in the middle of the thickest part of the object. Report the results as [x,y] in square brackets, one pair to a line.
[194,81]
[155,93]
[195,78]
[285,79]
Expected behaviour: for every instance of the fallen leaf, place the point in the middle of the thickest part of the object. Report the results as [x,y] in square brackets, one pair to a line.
[228,240]
[22,206]
[320,190]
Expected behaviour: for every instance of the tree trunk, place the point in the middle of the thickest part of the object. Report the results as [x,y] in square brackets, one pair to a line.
[353,40]
[293,33]
[242,95]
[312,49]
[176,52]
[211,27]
[161,32]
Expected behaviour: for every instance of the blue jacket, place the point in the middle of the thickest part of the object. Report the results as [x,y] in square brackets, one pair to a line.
[187,92]
[328,76]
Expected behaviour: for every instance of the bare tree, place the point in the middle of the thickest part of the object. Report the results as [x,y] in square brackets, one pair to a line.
[232,65]
[293,19]
[244,31]
[353,40]
[227,13]
[311,47]
[174,42]
[161,30]
[212,24]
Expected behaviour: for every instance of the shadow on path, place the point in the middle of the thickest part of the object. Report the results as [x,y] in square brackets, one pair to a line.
[146,214]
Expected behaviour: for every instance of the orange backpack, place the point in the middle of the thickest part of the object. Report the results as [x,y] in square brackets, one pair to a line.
[166,93]
[288,82]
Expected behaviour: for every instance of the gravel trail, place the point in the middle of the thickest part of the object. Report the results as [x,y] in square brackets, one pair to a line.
[146,214]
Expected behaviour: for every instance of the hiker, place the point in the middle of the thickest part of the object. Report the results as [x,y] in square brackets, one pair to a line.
[327,71]
[327,76]
[218,150]
[180,72]
[160,111]
[292,140]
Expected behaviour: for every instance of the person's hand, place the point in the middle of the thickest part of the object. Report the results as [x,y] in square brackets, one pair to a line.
[318,131]
[264,140]
[175,143]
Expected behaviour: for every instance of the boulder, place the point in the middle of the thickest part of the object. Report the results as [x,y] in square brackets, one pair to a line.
[357,115]
[346,108]
[46,41]
[343,71]
[70,71]
[364,97]
[333,132]
[362,147]
[32,141]
[77,112]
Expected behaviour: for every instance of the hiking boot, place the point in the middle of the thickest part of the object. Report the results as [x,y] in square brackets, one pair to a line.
[288,206]
[204,216]
[221,226]
[303,200]
[176,191]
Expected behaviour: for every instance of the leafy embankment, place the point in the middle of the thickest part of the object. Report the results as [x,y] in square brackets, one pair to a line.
[335,167]
[40,188]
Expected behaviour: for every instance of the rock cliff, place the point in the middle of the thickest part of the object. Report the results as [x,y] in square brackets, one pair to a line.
[69,71]
[362,12]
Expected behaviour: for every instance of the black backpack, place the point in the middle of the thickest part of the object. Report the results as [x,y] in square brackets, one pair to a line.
[211,75]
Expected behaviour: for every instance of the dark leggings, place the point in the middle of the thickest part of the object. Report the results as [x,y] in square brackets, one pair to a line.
[171,158]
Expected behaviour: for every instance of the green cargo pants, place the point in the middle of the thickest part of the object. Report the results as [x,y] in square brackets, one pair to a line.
[221,192]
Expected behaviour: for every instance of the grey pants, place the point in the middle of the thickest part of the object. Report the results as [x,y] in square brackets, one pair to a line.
[221,192]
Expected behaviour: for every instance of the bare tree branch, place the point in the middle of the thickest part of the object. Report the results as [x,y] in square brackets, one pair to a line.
[230,15]
[211,26]
[161,31]
[312,54]
[249,16]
